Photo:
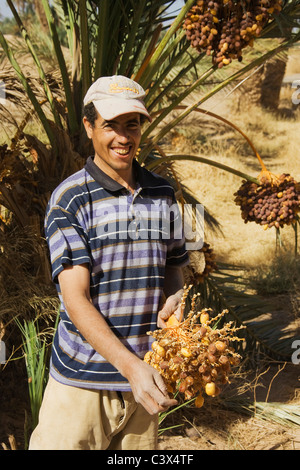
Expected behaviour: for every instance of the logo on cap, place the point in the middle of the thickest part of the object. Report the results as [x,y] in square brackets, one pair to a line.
[115,88]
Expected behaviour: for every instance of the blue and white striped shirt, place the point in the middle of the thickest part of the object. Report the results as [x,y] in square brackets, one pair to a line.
[127,240]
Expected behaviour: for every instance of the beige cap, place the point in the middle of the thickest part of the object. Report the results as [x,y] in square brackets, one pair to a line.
[116,95]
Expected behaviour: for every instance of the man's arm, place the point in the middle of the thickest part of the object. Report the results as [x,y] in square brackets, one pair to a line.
[173,290]
[147,384]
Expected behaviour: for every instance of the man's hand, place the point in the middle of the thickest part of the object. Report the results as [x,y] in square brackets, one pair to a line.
[173,291]
[149,388]
[172,305]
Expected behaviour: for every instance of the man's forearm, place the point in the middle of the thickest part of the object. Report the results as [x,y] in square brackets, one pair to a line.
[98,334]
[74,283]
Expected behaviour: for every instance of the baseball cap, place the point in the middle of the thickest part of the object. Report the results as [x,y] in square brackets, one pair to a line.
[116,95]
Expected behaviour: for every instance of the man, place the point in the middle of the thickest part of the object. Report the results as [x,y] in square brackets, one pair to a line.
[112,266]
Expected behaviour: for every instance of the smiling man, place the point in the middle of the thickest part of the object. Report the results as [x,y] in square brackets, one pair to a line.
[112,284]
[115,143]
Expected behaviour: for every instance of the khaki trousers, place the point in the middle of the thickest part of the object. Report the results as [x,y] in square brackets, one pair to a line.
[73,418]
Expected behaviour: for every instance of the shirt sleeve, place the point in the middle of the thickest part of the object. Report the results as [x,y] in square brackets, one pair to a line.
[66,240]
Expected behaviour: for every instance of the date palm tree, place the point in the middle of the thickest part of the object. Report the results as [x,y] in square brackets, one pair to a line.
[129,38]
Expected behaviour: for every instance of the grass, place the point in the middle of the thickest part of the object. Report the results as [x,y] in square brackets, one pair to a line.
[280,276]
[34,347]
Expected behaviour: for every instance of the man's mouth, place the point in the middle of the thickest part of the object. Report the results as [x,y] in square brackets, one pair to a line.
[122,151]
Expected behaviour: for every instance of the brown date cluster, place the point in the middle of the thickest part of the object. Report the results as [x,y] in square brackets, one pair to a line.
[270,204]
[193,356]
[224,28]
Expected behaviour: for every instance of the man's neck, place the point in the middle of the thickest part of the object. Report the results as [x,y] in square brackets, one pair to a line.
[125,178]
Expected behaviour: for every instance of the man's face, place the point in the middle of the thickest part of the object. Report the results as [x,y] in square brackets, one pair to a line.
[115,142]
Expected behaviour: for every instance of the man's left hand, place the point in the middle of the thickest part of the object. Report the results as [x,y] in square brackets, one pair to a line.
[172,305]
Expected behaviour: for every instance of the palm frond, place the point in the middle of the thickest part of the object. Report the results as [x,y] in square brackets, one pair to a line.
[285,414]
[38,63]
[72,118]
[28,89]
[265,331]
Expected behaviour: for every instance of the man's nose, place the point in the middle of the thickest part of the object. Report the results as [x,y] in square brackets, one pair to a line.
[123,134]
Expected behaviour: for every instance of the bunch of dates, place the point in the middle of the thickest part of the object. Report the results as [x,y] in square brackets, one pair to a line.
[193,356]
[273,203]
[224,28]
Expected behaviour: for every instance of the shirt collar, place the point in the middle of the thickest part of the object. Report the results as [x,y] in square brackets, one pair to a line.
[144,177]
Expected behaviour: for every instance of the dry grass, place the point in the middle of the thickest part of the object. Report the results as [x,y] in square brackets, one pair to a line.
[225,430]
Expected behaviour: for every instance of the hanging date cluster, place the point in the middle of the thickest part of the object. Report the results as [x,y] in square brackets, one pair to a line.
[274,203]
[224,28]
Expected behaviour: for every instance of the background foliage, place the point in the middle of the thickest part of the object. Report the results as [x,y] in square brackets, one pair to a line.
[50,56]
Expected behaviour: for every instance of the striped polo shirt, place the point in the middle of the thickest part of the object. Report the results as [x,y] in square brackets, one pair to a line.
[127,240]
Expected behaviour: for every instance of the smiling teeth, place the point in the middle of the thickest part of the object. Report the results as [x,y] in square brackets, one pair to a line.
[122,151]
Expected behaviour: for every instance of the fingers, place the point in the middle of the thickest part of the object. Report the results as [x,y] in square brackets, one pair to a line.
[160,322]
[154,396]
[149,389]
[163,315]
[154,407]
[178,313]
[160,395]
[172,305]
[160,384]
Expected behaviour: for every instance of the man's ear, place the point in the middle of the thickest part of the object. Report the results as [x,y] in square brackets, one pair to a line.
[88,127]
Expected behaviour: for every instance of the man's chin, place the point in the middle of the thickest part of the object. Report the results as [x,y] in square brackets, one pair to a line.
[122,160]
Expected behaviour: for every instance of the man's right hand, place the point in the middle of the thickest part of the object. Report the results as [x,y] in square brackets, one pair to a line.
[148,387]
